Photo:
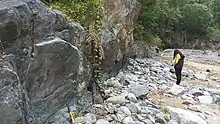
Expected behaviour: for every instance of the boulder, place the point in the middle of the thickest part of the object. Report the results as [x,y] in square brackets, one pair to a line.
[185,117]
[132,77]
[132,97]
[196,92]
[176,89]
[110,108]
[120,116]
[132,107]
[116,100]
[139,90]
[81,120]
[205,99]
[113,83]
[185,73]
[122,113]
[128,120]
[90,117]
[188,102]
[125,110]
[160,119]
[49,76]
[102,121]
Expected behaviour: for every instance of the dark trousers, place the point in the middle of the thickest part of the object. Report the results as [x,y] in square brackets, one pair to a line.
[178,75]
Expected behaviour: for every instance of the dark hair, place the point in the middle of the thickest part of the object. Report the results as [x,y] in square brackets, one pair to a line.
[176,51]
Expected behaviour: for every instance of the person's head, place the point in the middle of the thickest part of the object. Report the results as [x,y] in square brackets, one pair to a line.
[176,51]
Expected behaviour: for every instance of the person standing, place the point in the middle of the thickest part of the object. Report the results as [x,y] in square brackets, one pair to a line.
[178,61]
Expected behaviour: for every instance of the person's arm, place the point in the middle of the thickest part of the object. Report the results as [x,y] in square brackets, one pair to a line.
[176,59]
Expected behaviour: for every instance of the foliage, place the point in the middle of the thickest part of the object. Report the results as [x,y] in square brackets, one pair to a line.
[177,22]
[116,122]
[165,111]
[88,13]
[77,114]
[196,18]
[215,7]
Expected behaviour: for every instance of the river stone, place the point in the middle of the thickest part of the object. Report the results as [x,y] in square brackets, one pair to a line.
[185,117]
[102,121]
[205,99]
[139,90]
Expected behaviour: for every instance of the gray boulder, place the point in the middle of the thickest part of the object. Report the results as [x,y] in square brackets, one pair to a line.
[176,89]
[128,120]
[116,100]
[50,76]
[132,107]
[113,83]
[82,120]
[139,90]
[185,117]
[125,110]
[205,99]
[132,97]
[90,117]
[102,121]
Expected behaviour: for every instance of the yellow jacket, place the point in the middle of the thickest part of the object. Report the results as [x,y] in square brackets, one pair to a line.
[176,59]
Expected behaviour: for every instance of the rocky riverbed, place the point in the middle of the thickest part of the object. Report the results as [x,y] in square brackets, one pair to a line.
[145,93]
[201,56]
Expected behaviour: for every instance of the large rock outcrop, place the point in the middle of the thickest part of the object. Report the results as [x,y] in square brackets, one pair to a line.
[117,34]
[43,66]
[48,66]
[51,77]
[11,108]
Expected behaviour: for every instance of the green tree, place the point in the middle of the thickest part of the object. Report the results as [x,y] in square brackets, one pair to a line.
[177,22]
[157,19]
[85,12]
[197,19]
[215,6]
